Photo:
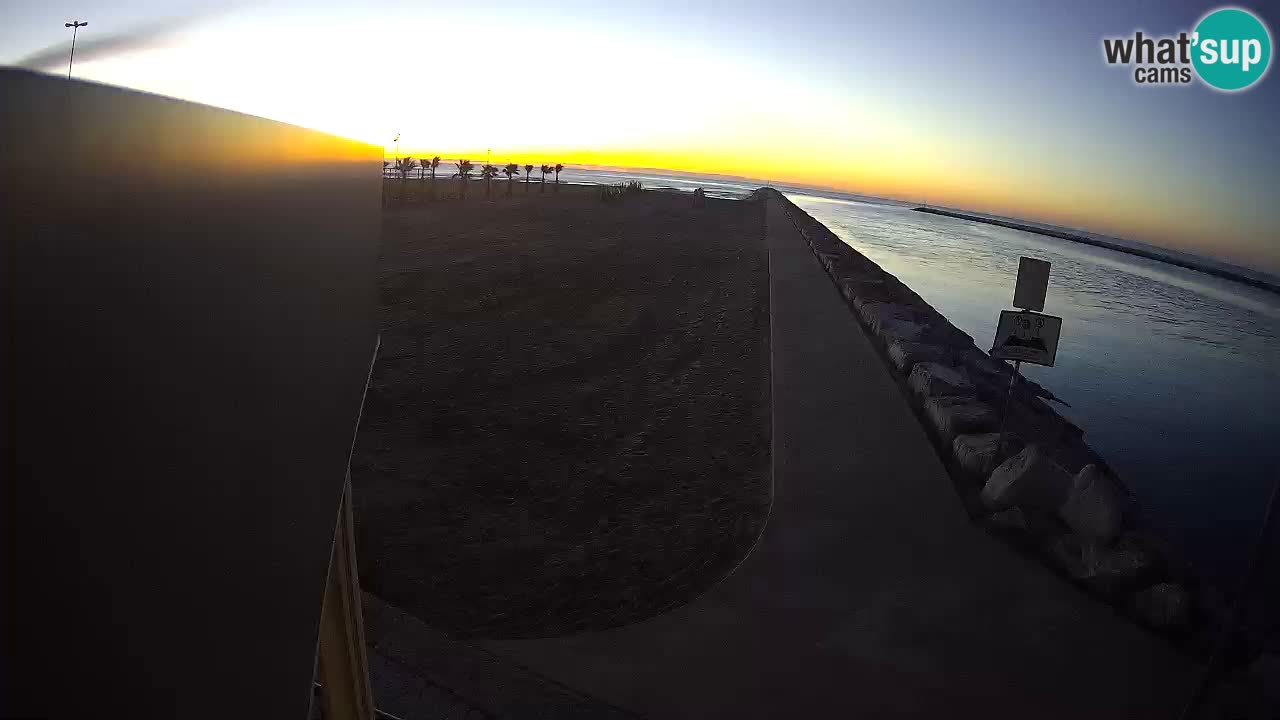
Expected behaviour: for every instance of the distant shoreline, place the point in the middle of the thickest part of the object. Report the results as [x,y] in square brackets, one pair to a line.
[1075,237]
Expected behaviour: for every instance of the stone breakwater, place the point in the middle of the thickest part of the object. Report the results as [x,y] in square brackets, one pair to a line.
[1043,488]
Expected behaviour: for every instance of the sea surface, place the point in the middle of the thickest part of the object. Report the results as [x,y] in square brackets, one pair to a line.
[1174,374]
[1171,372]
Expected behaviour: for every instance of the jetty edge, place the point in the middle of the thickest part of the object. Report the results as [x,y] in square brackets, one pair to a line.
[1204,267]
[1044,489]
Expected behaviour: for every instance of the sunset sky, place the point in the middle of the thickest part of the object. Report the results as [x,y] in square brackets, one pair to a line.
[1005,107]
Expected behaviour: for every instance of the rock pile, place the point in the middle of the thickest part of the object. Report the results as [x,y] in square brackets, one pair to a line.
[1043,487]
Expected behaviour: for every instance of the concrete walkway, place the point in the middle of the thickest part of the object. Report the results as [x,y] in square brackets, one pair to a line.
[869,594]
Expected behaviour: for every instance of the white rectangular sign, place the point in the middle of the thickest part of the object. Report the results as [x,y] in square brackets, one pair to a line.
[1033,283]
[1027,336]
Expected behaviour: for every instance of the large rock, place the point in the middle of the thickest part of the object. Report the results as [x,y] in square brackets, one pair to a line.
[904,354]
[1095,505]
[992,377]
[1030,395]
[823,243]
[1036,421]
[869,309]
[861,302]
[1068,553]
[1110,571]
[1028,478]
[930,379]
[979,454]
[830,260]
[1037,525]
[1114,570]
[952,416]
[1163,605]
[878,315]
[981,364]
[853,288]
[902,330]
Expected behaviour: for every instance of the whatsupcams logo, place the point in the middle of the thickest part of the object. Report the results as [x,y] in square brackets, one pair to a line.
[1229,49]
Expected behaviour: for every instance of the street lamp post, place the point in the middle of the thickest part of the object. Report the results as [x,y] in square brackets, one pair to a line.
[75,28]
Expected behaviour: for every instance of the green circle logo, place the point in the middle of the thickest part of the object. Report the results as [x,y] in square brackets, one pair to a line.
[1232,49]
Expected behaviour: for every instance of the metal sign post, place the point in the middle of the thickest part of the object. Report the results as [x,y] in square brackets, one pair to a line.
[1026,335]
[1032,285]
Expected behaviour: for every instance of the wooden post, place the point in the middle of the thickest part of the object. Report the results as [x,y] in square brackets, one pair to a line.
[342,663]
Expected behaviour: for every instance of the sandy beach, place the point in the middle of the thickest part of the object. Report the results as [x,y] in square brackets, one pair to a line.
[568,426]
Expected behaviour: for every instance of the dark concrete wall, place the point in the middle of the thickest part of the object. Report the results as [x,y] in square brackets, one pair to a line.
[188,300]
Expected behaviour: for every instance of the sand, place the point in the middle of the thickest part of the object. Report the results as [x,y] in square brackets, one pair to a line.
[568,427]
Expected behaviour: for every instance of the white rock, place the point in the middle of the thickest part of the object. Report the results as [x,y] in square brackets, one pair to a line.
[975,453]
[867,309]
[861,304]
[904,354]
[1094,506]
[951,416]
[829,260]
[854,288]
[891,330]
[929,379]
[876,314]
[1028,478]
[981,363]
[890,321]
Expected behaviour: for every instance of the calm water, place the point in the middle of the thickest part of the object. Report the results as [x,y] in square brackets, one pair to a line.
[1172,373]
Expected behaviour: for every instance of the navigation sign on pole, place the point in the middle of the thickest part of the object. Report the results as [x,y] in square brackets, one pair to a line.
[1033,283]
[1027,337]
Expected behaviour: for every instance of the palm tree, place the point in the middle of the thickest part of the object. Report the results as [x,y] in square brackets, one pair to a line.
[527,169]
[488,172]
[403,166]
[464,175]
[545,169]
[435,163]
[511,171]
[558,168]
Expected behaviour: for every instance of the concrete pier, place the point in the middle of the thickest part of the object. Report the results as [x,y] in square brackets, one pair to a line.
[869,593]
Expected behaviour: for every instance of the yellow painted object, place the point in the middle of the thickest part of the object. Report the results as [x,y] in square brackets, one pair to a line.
[342,663]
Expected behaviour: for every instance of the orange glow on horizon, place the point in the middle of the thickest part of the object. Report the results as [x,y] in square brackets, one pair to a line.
[914,179]
[687,106]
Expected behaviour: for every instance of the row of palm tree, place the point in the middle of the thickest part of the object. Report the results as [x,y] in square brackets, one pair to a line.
[404,166]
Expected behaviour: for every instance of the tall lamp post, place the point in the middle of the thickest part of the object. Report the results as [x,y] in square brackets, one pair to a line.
[75,28]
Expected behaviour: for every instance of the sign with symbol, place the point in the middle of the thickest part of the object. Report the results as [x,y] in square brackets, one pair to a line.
[1033,283]
[1027,337]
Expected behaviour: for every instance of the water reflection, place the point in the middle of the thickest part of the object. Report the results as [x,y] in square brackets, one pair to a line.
[1171,372]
